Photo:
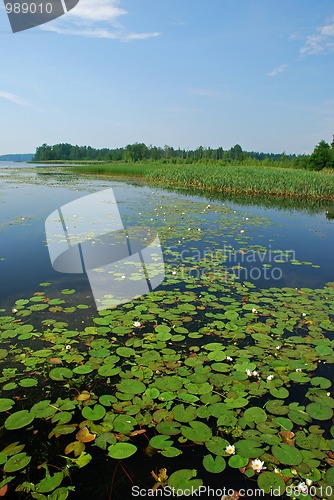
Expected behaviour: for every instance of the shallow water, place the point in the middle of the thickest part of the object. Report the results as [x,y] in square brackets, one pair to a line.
[29,195]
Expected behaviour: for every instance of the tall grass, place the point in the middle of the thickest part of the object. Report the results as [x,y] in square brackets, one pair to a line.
[122,169]
[248,180]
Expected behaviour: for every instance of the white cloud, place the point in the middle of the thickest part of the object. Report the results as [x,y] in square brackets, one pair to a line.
[96,19]
[320,42]
[13,98]
[278,70]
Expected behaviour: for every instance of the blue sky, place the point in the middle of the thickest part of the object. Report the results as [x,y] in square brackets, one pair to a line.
[179,72]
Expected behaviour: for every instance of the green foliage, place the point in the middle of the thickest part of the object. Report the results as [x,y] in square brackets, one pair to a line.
[322,157]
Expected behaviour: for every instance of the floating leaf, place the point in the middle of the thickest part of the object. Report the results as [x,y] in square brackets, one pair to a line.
[183,481]
[96,412]
[19,419]
[215,465]
[197,432]
[60,374]
[287,454]
[160,442]
[50,482]
[17,462]
[319,411]
[237,462]
[255,414]
[84,435]
[120,451]
[6,404]
[269,481]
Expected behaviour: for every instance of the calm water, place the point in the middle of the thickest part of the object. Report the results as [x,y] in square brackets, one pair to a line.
[29,194]
[262,242]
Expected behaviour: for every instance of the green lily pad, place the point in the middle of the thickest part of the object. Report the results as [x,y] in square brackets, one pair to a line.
[119,451]
[28,382]
[19,419]
[160,442]
[319,412]
[96,412]
[60,374]
[248,448]
[6,404]
[197,432]
[215,465]
[50,482]
[184,480]
[17,462]
[286,454]
[269,481]
[172,383]
[184,414]
[168,427]
[125,352]
[130,386]
[255,414]
[237,461]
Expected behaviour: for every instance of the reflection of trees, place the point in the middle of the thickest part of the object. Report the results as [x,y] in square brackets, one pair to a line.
[309,206]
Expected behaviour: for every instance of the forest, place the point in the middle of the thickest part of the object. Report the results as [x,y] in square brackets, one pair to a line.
[322,156]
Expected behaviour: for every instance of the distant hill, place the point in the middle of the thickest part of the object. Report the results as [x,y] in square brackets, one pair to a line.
[17,157]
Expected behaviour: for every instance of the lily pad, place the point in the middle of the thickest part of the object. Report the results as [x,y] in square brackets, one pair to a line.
[286,454]
[96,412]
[6,404]
[215,465]
[120,451]
[19,419]
[269,481]
[17,462]
[319,411]
[184,480]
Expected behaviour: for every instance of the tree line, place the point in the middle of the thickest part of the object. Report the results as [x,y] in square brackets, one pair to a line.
[322,156]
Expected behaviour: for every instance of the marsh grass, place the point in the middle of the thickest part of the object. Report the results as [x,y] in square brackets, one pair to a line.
[248,180]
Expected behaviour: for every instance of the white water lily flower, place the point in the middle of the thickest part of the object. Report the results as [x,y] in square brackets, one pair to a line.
[229,358]
[14,311]
[254,311]
[278,347]
[298,370]
[136,324]
[270,377]
[255,373]
[257,465]
[230,449]
[242,230]
[277,471]
[174,272]
[249,373]
[304,314]
[302,488]
[309,482]
[67,347]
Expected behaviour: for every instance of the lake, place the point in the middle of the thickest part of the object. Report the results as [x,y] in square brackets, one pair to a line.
[232,349]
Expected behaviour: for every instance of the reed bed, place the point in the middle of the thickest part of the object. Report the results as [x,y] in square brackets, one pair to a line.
[250,180]
[273,181]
